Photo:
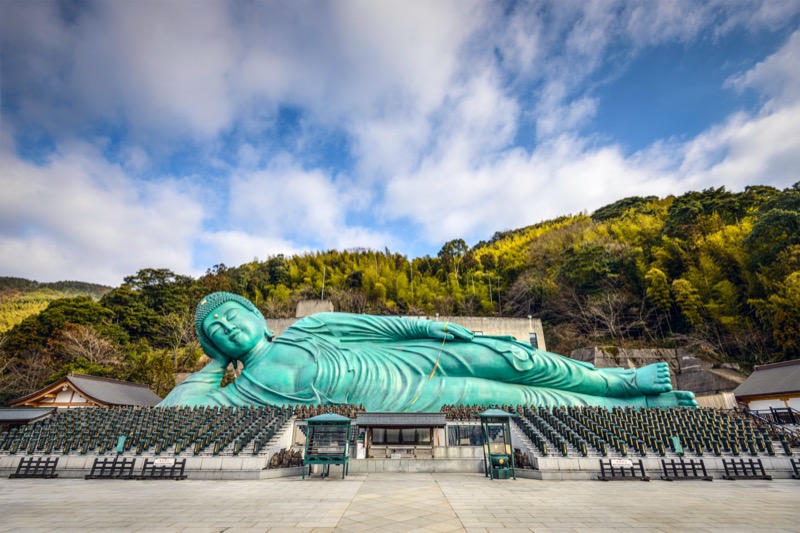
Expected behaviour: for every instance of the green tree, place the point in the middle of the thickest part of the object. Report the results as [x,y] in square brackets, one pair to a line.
[451,254]
[36,331]
[620,207]
[658,292]
[161,290]
[688,300]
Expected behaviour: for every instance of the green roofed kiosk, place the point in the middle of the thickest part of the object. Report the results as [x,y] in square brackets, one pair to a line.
[498,456]
[327,443]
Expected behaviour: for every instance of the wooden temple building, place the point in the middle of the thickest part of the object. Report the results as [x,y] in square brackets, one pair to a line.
[79,390]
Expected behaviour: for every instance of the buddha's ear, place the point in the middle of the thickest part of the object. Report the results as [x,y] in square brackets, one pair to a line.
[268,334]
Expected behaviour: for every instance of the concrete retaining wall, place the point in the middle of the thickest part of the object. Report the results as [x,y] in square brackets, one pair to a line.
[448,460]
[589,467]
[417,465]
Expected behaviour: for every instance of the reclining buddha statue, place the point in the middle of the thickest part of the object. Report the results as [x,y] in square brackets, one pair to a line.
[396,364]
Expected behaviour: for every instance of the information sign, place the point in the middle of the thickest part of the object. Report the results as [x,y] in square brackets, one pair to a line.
[676,443]
[625,463]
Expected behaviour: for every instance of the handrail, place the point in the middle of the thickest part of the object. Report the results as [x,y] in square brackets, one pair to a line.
[781,415]
[776,428]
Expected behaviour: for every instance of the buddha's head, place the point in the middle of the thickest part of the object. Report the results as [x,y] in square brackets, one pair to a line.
[229,326]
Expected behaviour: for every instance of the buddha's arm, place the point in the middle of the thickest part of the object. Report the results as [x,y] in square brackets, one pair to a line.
[358,328]
[196,385]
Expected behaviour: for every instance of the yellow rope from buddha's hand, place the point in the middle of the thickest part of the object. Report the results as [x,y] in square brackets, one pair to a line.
[435,366]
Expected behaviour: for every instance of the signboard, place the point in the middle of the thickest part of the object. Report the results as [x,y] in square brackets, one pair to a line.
[676,443]
[395,456]
[621,463]
[164,461]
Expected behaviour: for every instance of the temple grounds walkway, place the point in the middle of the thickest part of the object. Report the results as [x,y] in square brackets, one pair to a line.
[398,503]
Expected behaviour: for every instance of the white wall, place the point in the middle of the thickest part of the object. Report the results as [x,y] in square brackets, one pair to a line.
[763,405]
[519,328]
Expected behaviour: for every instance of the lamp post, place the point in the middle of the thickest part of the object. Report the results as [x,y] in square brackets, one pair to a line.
[498,456]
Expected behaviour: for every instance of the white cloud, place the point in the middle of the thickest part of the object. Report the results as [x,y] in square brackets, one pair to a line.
[554,51]
[516,189]
[308,206]
[236,247]
[429,97]
[455,195]
[79,217]
[164,63]
[199,69]
[763,148]
[777,77]
[744,151]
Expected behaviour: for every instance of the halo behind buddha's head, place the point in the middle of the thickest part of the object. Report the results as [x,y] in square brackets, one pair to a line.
[211,302]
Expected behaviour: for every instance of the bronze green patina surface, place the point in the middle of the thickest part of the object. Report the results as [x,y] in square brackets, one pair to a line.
[396,364]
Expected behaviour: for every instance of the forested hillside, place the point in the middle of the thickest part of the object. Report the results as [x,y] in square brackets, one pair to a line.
[715,271]
[21,298]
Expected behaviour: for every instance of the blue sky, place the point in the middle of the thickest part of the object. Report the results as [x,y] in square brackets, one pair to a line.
[182,134]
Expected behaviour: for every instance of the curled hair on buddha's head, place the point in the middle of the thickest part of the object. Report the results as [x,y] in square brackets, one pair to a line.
[211,302]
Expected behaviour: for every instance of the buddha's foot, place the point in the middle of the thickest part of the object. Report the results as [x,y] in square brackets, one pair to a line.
[653,379]
[678,398]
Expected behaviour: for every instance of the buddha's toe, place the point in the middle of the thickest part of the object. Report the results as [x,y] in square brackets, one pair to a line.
[653,379]
[679,398]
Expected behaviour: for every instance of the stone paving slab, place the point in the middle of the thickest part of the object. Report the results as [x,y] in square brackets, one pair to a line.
[395,502]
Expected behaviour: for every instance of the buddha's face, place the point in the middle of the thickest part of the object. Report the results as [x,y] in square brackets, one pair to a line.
[234,330]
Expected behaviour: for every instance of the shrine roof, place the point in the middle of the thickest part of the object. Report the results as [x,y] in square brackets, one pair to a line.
[103,391]
[24,415]
[401,419]
[777,378]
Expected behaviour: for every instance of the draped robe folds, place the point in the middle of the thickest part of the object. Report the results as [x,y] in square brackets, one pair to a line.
[392,364]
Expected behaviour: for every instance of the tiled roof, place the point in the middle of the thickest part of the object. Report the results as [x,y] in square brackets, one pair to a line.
[495,413]
[328,418]
[105,391]
[778,378]
[24,415]
[113,391]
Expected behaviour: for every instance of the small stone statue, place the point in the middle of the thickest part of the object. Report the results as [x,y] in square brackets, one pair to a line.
[396,364]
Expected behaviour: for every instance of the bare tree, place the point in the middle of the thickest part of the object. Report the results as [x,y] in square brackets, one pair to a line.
[277,308]
[23,375]
[612,314]
[78,342]
[348,299]
[179,335]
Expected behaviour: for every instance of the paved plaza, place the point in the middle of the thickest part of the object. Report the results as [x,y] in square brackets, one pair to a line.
[397,503]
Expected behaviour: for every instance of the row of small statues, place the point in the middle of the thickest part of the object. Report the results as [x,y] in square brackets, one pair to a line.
[286,459]
[303,412]
[521,460]
[468,412]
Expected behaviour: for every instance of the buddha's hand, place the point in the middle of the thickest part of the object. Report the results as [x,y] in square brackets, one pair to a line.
[449,331]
